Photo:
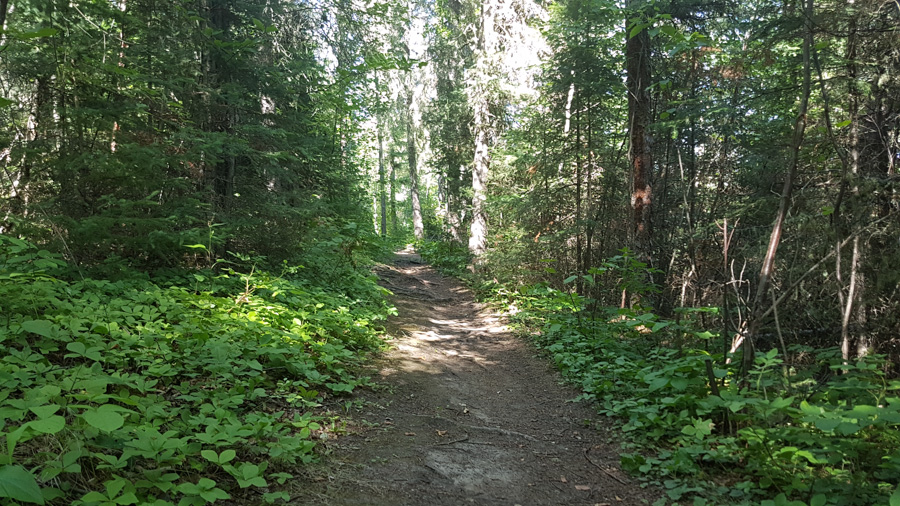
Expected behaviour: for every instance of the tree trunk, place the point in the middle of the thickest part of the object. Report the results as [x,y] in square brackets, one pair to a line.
[393,194]
[418,228]
[637,66]
[849,299]
[768,266]
[454,223]
[589,225]
[4,8]
[482,129]
[381,182]
[579,266]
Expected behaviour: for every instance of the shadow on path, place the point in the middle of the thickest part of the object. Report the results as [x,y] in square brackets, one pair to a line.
[472,417]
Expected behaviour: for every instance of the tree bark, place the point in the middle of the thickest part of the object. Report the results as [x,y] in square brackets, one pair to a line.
[848,300]
[637,67]
[579,265]
[768,266]
[4,8]
[418,228]
[381,182]
[393,194]
[589,225]
[454,223]
[482,129]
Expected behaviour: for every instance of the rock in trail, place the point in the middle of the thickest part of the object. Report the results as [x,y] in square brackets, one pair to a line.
[470,416]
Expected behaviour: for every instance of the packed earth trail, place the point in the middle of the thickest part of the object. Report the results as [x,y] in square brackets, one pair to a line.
[469,415]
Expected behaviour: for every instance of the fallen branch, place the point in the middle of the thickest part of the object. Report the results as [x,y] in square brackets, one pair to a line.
[605,470]
[460,440]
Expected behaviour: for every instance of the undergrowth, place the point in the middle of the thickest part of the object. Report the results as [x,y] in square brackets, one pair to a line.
[190,388]
[810,432]
[449,258]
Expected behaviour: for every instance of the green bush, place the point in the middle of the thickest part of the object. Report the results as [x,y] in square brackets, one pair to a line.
[822,434]
[448,257]
[190,389]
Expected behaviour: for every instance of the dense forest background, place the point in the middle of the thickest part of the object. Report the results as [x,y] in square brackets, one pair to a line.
[690,204]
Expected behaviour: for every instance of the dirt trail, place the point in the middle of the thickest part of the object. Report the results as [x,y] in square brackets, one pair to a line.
[471,416]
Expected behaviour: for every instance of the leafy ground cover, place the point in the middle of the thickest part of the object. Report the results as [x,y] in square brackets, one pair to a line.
[191,388]
[801,429]
[449,258]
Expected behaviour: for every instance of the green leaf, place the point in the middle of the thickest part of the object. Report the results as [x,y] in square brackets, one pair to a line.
[223,458]
[17,483]
[77,348]
[271,497]
[810,457]
[127,498]
[895,498]
[827,424]
[94,496]
[50,425]
[818,500]
[340,387]
[42,328]
[637,29]
[5,102]
[43,32]
[810,409]
[863,411]
[45,410]
[680,384]
[105,418]
[842,124]
[214,494]
[570,279]
[736,406]
[658,383]
[668,30]
[847,428]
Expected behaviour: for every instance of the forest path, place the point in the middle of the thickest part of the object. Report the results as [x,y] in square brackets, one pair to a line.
[470,416]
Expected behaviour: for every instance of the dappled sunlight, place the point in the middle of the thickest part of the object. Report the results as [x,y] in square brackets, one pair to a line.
[429,335]
[443,328]
[448,322]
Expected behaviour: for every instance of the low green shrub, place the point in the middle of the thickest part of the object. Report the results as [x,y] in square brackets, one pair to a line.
[450,258]
[825,433]
[192,388]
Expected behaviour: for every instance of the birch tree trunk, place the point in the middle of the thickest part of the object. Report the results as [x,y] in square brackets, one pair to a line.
[418,227]
[482,128]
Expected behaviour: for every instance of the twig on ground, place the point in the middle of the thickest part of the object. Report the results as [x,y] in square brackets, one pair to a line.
[460,440]
[605,471]
[505,432]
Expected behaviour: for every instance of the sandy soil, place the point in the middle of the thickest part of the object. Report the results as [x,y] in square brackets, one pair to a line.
[470,415]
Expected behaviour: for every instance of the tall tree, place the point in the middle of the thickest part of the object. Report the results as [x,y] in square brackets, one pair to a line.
[760,301]
[637,67]
[483,130]
[412,158]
